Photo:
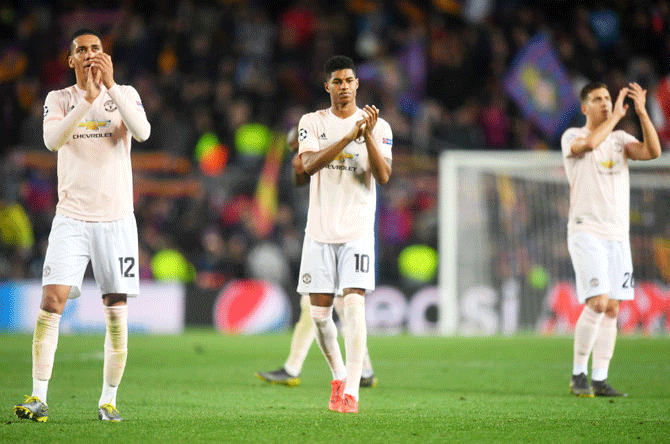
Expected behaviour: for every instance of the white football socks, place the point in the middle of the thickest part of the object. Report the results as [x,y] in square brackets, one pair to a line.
[354,341]
[303,336]
[45,342]
[338,303]
[116,351]
[603,349]
[326,337]
[586,331]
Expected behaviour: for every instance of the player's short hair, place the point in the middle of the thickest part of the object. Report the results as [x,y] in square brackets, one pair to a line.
[584,93]
[82,31]
[336,63]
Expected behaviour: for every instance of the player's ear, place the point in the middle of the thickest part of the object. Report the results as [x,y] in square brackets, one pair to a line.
[325,86]
[70,62]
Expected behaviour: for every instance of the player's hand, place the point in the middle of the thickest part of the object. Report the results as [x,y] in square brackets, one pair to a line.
[639,97]
[370,115]
[619,107]
[103,62]
[93,78]
[356,131]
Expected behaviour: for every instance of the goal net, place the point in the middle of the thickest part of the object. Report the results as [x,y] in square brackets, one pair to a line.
[504,263]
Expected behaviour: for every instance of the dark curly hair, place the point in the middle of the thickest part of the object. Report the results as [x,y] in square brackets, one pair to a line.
[336,63]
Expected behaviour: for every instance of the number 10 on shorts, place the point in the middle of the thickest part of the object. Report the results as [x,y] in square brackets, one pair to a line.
[362,263]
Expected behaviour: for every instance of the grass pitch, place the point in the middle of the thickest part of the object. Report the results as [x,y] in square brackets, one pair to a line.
[200,387]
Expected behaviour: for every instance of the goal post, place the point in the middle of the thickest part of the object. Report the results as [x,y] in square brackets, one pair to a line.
[502,236]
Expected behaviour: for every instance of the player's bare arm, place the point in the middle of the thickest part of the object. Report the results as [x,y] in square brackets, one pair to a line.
[650,147]
[597,106]
[300,177]
[379,166]
[313,161]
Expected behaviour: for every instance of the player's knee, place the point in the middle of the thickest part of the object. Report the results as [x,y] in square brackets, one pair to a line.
[53,301]
[599,307]
[320,315]
[114,299]
[598,304]
[612,309]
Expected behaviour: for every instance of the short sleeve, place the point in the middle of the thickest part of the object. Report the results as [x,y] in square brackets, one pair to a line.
[566,141]
[384,138]
[307,139]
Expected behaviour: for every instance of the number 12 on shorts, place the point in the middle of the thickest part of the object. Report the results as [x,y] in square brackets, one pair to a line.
[127,264]
[362,263]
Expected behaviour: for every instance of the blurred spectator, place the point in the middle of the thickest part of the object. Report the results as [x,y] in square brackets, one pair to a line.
[16,239]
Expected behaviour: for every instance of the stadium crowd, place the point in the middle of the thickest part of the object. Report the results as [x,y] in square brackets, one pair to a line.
[242,71]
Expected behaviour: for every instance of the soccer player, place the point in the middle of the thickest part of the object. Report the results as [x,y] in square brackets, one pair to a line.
[596,163]
[304,331]
[346,150]
[90,125]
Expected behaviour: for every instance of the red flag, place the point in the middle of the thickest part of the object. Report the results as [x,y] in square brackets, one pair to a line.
[264,206]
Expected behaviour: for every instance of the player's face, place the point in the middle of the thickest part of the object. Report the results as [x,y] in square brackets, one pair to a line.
[342,86]
[598,105]
[82,49]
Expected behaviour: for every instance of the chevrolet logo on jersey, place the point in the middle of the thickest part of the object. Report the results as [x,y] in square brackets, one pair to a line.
[342,156]
[609,164]
[93,125]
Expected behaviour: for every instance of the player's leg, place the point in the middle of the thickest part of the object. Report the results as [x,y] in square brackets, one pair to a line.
[621,276]
[318,279]
[586,332]
[114,259]
[115,310]
[355,343]
[603,350]
[321,310]
[64,266]
[356,272]
[45,342]
[303,336]
[368,378]
[590,262]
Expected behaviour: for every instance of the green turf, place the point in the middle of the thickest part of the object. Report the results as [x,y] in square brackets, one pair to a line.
[200,387]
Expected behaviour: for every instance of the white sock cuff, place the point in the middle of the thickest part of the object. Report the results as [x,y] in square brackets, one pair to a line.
[115,312]
[320,314]
[48,317]
[353,299]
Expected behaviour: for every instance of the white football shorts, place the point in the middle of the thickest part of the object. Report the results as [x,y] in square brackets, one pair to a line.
[330,268]
[110,246]
[601,267]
